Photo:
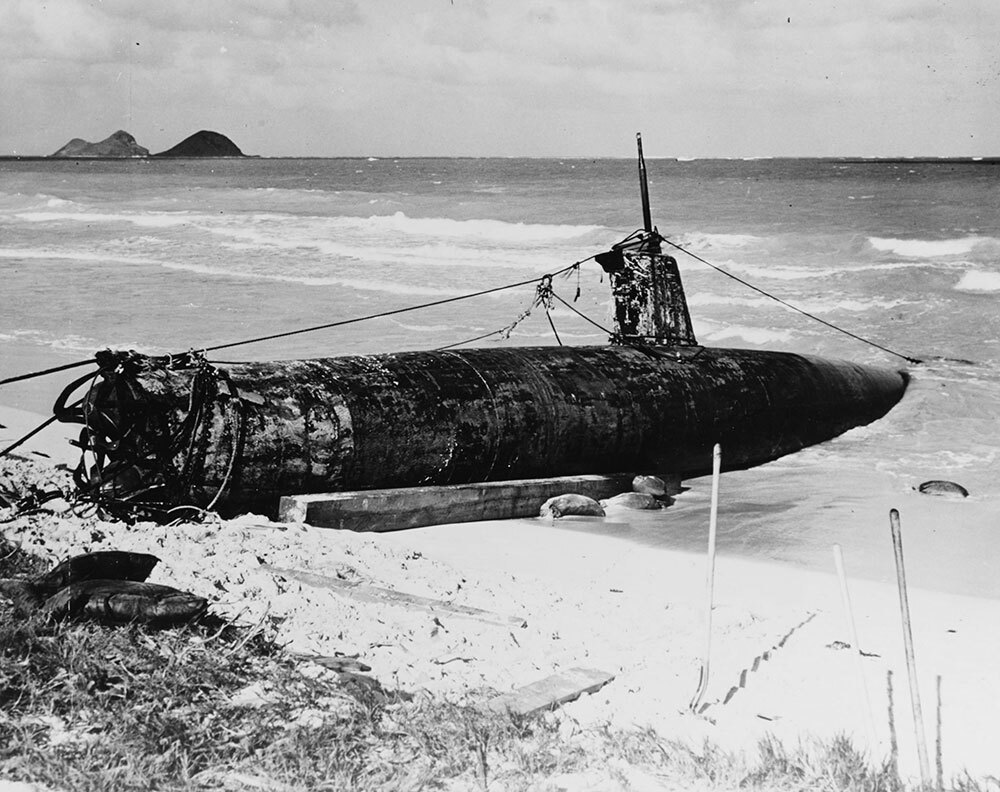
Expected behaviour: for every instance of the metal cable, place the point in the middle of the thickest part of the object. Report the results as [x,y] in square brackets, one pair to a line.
[815,318]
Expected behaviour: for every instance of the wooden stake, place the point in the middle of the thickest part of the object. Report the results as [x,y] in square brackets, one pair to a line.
[710,578]
[838,560]
[893,743]
[911,665]
[938,763]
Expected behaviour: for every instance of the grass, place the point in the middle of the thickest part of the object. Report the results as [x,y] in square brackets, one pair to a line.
[210,706]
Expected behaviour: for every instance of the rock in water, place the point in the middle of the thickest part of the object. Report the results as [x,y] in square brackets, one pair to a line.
[633,500]
[649,485]
[943,488]
[571,504]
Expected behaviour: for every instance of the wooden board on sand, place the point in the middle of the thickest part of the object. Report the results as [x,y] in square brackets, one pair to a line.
[365,593]
[548,693]
[416,507]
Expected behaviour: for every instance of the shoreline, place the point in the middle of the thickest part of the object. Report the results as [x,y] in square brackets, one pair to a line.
[597,600]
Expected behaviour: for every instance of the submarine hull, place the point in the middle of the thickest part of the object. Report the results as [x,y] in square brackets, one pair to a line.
[236,437]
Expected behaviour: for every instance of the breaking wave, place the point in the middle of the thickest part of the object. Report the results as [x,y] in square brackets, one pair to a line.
[144,220]
[753,335]
[928,248]
[359,284]
[73,255]
[705,241]
[486,230]
[977,281]
[394,225]
[812,306]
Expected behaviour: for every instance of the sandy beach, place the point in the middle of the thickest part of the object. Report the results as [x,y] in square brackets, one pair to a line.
[780,662]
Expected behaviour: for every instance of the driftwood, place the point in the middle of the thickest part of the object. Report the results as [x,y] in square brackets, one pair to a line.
[549,693]
[108,586]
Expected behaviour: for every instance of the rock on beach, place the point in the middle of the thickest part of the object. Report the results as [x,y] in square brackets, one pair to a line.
[571,504]
[943,488]
[649,485]
[632,500]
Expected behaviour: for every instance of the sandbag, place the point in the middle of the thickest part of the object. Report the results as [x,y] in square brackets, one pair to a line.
[120,601]
[102,565]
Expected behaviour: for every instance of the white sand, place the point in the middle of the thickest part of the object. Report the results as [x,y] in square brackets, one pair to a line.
[598,601]
[51,445]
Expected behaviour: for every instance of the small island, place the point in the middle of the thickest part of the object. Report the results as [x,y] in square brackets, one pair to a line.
[122,145]
[203,144]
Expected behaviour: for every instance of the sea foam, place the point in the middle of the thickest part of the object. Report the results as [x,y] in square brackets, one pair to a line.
[926,248]
[360,284]
[144,219]
[485,230]
[977,281]
[47,254]
[754,335]
[394,225]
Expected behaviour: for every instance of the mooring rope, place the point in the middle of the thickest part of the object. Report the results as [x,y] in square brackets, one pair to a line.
[805,313]
[50,420]
[59,412]
[582,315]
[395,311]
[328,325]
[544,295]
[42,373]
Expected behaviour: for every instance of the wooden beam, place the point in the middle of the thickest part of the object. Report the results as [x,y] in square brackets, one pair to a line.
[549,693]
[366,593]
[415,507]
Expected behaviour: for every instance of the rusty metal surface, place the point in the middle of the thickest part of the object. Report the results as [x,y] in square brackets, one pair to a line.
[649,299]
[238,436]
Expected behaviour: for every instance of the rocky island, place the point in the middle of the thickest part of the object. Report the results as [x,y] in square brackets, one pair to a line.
[204,144]
[121,144]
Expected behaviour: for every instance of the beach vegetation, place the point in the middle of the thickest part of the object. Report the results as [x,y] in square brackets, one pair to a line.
[210,705]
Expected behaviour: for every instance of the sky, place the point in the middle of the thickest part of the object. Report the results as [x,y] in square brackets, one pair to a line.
[698,78]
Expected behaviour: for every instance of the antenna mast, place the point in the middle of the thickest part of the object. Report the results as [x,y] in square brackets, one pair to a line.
[651,242]
[647,219]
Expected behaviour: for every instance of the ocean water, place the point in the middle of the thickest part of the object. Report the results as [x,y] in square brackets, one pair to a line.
[164,256]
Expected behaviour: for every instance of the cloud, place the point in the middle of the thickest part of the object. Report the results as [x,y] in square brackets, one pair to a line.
[274,19]
[471,76]
[60,30]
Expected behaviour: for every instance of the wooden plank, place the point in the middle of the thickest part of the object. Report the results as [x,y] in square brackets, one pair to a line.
[549,693]
[365,593]
[415,507]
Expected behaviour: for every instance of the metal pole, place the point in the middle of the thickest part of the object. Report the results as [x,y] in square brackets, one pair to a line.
[710,578]
[911,665]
